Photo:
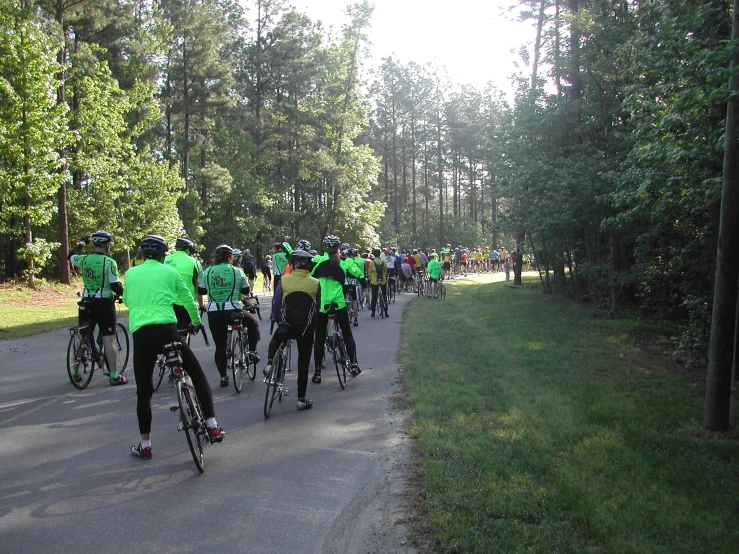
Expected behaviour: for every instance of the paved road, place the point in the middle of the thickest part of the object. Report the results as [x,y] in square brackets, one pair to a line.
[294,483]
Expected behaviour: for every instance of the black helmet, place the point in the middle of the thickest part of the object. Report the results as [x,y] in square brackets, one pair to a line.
[300,259]
[351,252]
[185,244]
[224,250]
[302,244]
[154,244]
[101,238]
[331,241]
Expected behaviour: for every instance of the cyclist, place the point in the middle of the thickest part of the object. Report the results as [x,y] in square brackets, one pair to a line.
[266,270]
[101,286]
[190,270]
[152,288]
[224,284]
[378,275]
[434,271]
[249,266]
[279,260]
[351,283]
[237,257]
[295,303]
[331,270]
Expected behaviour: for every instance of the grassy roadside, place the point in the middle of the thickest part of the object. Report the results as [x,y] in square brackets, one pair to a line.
[540,429]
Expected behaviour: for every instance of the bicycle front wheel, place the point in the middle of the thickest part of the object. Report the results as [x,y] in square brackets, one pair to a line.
[238,360]
[122,344]
[391,294]
[192,423]
[442,291]
[158,375]
[273,383]
[79,361]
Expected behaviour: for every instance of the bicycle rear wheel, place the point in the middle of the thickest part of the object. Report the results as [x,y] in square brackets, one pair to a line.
[251,364]
[238,360]
[391,293]
[80,366]
[122,344]
[274,379]
[340,360]
[159,370]
[442,291]
[192,423]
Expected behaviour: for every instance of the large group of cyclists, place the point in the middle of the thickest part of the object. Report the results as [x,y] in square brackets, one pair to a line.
[316,300]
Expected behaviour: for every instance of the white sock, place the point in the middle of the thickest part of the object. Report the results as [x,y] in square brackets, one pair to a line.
[145,444]
[210,423]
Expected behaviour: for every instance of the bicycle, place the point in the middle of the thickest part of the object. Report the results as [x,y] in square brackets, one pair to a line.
[238,357]
[423,285]
[266,284]
[382,300]
[442,290]
[336,345]
[280,366]
[85,352]
[391,289]
[160,369]
[192,421]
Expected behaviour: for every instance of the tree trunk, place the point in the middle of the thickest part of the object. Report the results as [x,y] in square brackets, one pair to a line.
[719,380]
[62,195]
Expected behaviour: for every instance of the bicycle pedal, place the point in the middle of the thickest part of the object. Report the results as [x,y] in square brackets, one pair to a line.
[285,391]
[174,408]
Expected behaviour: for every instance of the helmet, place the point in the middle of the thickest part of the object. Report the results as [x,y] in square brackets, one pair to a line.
[154,244]
[246,251]
[331,241]
[433,255]
[351,252]
[302,244]
[185,244]
[287,248]
[101,238]
[268,257]
[300,259]
[415,250]
[345,246]
[237,253]
[224,249]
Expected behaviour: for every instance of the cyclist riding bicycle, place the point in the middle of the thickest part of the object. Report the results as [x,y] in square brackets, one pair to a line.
[350,285]
[190,269]
[249,266]
[224,284]
[295,304]
[152,288]
[101,286]
[237,257]
[331,272]
[279,260]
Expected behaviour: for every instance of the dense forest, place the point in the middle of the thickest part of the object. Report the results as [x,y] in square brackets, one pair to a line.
[247,122]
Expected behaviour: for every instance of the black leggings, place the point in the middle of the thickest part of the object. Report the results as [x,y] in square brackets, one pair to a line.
[305,347]
[148,342]
[321,321]
[374,295]
[218,322]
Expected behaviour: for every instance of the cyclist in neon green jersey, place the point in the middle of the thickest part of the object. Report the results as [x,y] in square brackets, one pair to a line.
[152,288]
[100,276]
[224,284]
[190,270]
[434,271]
[279,261]
[331,271]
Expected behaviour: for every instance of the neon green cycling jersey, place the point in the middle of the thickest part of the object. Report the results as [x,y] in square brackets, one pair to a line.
[98,272]
[152,288]
[280,262]
[331,280]
[224,284]
[188,267]
[434,269]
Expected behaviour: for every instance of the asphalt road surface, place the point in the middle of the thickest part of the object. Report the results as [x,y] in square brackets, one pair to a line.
[310,482]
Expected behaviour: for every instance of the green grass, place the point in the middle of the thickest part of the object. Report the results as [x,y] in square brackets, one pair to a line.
[25,312]
[543,430]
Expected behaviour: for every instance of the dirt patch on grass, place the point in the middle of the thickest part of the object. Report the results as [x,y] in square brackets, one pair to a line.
[41,297]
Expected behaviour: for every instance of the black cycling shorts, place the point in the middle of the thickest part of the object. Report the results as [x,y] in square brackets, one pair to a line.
[98,311]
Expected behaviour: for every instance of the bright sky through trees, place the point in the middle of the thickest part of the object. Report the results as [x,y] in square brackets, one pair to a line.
[472,38]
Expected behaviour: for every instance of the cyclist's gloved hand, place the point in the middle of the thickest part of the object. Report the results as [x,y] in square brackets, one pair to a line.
[194,329]
[85,239]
